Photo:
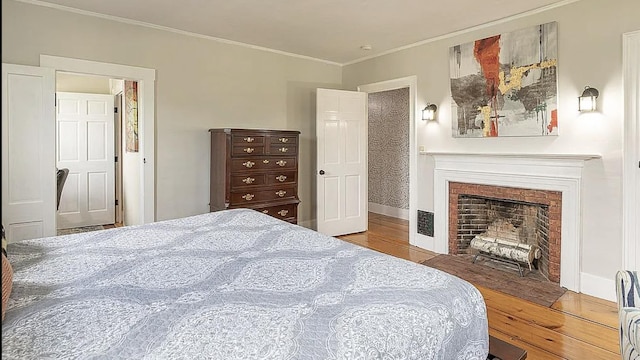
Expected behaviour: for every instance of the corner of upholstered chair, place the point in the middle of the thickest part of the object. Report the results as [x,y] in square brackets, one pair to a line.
[628,297]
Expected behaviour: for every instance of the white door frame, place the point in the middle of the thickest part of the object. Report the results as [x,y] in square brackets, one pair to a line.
[630,193]
[412,83]
[146,116]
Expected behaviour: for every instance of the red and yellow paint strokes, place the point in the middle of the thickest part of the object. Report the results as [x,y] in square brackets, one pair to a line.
[487,53]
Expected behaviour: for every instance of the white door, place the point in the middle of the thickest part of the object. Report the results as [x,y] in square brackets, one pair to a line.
[341,128]
[28,144]
[86,148]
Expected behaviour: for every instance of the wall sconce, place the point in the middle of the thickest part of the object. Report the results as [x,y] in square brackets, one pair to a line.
[429,112]
[587,101]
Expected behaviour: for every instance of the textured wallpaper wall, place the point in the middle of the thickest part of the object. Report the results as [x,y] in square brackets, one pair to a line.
[389,148]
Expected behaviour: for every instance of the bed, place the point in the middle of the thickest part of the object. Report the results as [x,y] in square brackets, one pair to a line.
[233,284]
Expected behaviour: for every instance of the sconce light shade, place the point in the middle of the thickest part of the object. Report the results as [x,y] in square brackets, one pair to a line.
[587,101]
[429,112]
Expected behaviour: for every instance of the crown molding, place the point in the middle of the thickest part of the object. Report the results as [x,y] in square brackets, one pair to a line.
[465,31]
[170,29]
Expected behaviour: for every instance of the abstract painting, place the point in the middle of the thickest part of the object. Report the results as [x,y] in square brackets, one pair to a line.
[131,114]
[506,85]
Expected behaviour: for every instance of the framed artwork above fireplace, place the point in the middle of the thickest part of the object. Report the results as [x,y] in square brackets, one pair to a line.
[506,85]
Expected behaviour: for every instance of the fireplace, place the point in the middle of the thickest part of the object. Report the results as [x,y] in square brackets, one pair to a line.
[553,180]
[513,215]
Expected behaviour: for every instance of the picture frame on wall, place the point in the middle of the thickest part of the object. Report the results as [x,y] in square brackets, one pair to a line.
[506,85]
[131,115]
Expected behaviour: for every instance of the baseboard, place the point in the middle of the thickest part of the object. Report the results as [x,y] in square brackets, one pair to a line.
[598,286]
[424,242]
[309,224]
[389,211]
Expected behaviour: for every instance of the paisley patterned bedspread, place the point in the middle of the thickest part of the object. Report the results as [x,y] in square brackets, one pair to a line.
[233,284]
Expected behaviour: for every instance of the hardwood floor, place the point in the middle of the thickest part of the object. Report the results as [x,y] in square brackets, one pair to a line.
[576,326]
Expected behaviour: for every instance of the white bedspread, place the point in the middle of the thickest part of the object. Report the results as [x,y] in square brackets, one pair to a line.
[233,284]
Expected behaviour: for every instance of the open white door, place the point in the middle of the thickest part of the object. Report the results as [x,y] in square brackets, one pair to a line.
[86,147]
[341,128]
[28,148]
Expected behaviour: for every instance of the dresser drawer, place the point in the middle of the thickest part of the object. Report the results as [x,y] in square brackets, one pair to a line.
[263,163]
[281,177]
[248,150]
[251,196]
[242,180]
[240,140]
[283,140]
[287,212]
[279,149]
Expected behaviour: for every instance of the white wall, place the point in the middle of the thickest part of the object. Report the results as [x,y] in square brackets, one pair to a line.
[82,84]
[200,84]
[590,53]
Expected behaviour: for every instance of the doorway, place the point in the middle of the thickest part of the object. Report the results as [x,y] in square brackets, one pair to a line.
[145,160]
[88,146]
[398,97]
[388,153]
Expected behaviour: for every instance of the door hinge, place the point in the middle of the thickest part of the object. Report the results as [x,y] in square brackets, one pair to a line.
[116,158]
[117,202]
[115,109]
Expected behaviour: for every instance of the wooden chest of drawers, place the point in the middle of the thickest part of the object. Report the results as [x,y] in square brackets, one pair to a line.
[255,169]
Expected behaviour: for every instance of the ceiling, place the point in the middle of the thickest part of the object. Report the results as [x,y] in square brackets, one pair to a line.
[330,30]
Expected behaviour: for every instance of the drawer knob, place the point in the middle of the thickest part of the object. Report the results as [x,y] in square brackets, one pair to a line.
[281,162]
[265,211]
[281,193]
[249,139]
[284,149]
[248,197]
[249,150]
[283,140]
[283,212]
[248,164]
[265,161]
[248,180]
[281,178]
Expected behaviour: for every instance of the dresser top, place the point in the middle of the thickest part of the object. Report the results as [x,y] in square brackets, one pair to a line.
[253,131]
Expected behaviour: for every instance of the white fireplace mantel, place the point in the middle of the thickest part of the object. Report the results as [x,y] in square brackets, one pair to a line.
[554,172]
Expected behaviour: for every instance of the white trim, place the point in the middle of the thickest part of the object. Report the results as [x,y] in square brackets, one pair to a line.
[146,116]
[170,29]
[598,286]
[389,211]
[465,31]
[541,173]
[412,83]
[631,195]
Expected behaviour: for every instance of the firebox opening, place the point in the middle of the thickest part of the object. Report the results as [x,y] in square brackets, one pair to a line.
[518,229]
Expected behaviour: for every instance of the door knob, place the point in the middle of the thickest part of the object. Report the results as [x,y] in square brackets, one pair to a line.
[321,172]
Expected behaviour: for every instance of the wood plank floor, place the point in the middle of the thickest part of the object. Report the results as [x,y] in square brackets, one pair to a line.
[576,326]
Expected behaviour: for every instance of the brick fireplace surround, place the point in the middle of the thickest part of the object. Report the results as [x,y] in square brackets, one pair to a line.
[560,173]
[552,199]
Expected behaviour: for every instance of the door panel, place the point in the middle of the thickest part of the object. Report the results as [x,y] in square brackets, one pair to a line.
[86,148]
[341,126]
[331,188]
[28,143]
[352,192]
